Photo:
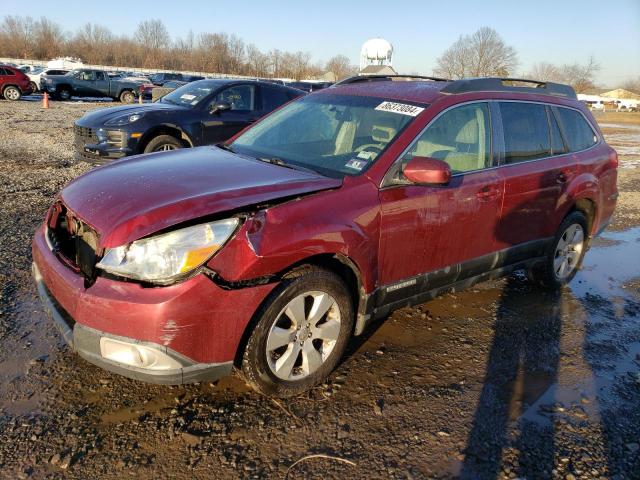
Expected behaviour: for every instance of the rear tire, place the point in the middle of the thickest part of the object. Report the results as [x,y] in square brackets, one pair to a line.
[127,97]
[12,93]
[34,87]
[163,143]
[301,333]
[564,255]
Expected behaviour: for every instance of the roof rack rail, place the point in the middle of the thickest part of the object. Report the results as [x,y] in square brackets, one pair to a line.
[378,78]
[496,84]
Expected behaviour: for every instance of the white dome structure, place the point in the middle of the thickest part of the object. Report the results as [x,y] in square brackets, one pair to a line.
[376,51]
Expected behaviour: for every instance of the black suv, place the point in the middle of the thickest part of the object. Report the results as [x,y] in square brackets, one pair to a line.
[205,112]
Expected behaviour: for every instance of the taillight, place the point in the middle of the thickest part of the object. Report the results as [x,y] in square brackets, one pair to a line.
[613,159]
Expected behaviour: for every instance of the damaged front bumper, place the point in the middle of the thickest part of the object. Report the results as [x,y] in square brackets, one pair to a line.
[129,357]
[181,333]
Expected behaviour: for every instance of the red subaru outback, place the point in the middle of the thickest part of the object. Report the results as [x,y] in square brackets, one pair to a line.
[270,251]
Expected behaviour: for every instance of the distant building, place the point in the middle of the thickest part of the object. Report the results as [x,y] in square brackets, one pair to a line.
[621,93]
[376,51]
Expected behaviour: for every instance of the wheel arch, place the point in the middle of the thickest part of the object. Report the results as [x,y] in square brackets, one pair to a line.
[163,129]
[337,263]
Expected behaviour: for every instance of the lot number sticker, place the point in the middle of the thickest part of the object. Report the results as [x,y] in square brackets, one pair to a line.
[401,108]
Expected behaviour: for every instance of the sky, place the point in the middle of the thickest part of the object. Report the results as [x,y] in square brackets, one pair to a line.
[556,31]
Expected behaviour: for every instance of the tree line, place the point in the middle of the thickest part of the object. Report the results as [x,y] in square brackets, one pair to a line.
[480,54]
[151,46]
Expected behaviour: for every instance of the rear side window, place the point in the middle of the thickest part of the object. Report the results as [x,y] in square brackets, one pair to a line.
[526,131]
[578,133]
[4,72]
[272,98]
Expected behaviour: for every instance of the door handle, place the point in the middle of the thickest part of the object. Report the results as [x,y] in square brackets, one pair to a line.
[486,194]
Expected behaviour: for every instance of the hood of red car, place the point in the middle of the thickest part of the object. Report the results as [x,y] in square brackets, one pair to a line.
[135,197]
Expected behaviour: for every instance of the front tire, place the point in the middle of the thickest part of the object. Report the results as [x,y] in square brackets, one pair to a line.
[163,143]
[565,254]
[301,333]
[12,93]
[34,87]
[64,94]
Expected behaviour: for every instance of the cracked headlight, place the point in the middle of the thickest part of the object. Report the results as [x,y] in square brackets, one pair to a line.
[164,258]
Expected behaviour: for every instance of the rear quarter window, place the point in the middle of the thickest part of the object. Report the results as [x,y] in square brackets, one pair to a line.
[578,133]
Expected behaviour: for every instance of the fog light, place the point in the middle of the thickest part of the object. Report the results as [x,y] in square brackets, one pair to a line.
[136,355]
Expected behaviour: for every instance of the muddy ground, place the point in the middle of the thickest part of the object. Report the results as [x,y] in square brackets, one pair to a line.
[501,381]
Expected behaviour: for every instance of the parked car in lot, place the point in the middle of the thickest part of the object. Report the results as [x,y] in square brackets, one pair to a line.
[309,86]
[36,76]
[160,79]
[199,113]
[270,251]
[87,82]
[13,83]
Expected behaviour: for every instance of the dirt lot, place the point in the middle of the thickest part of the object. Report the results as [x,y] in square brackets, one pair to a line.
[501,381]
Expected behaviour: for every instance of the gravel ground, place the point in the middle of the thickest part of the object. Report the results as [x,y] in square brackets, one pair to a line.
[501,381]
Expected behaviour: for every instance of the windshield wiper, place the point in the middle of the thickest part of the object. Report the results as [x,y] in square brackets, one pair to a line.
[282,163]
[226,147]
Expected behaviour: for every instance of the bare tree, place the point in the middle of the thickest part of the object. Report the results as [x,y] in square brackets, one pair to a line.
[152,37]
[579,76]
[632,85]
[257,62]
[18,33]
[481,54]
[340,66]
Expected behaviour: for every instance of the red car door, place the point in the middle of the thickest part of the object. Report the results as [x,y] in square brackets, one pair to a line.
[535,170]
[446,230]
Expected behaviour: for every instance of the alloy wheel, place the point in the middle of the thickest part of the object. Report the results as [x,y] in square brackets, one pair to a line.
[165,147]
[568,251]
[12,93]
[303,335]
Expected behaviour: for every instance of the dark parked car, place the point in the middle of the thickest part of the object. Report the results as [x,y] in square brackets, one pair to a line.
[199,113]
[13,83]
[174,84]
[87,82]
[160,79]
[310,86]
[269,252]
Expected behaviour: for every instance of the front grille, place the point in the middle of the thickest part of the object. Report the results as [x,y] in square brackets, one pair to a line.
[73,241]
[85,134]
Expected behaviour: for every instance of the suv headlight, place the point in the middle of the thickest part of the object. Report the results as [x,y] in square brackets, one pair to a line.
[163,258]
[124,120]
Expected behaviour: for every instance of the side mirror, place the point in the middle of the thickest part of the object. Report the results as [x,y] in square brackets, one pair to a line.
[427,171]
[219,107]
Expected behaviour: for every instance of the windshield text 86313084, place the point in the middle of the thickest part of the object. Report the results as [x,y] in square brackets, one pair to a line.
[331,134]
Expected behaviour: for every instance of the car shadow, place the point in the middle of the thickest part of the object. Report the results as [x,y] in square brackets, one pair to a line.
[523,363]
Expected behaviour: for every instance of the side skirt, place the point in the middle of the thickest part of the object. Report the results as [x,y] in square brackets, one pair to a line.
[422,288]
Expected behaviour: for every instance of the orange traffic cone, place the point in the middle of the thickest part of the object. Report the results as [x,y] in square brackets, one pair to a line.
[45,100]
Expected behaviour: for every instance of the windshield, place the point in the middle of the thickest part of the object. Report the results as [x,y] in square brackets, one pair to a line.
[191,94]
[332,134]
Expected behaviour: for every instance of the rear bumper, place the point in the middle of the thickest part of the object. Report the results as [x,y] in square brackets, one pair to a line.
[196,323]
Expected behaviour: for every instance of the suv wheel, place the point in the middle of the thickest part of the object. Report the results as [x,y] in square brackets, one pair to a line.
[301,333]
[127,97]
[162,143]
[34,87]
[64,94]
[564,256]
[12,93]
